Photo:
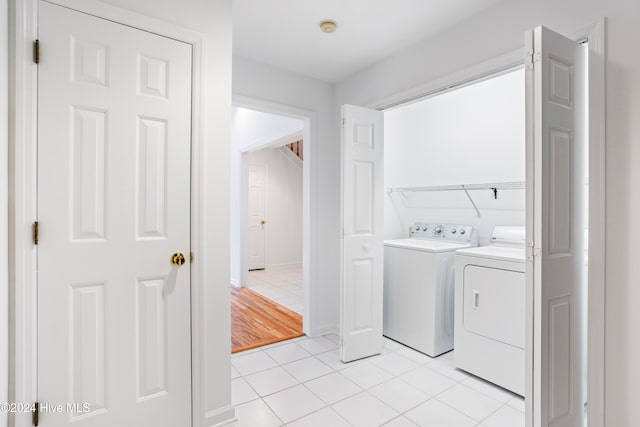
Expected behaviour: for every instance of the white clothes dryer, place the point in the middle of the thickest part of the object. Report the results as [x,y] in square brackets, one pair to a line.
[419,286]
[490,309]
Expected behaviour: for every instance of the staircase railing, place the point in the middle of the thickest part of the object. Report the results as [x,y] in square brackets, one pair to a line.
[296,148]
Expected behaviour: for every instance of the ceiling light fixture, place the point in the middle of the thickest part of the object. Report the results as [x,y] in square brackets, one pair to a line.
[328,26]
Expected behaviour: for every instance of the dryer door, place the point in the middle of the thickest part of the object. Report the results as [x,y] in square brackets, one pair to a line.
[494,304]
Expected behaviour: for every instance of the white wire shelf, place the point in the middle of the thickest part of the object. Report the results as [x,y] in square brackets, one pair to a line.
[493,186]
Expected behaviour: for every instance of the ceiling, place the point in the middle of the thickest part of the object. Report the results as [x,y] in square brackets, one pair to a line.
[250,128]
[286,33]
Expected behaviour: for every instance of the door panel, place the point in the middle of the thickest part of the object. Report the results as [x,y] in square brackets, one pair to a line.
[363,310]
[257,213]
[151,178]
[113,206]
[88,342]
[362,221]
[151,326]
[556,142]
[88,173]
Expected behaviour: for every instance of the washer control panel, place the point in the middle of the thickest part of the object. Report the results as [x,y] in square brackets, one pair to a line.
[450,232]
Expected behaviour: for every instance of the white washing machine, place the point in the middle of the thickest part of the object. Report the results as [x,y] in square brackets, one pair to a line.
[490,309]
[419,285]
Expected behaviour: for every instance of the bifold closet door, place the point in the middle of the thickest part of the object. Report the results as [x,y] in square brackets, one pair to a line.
[556,144]
[362,232]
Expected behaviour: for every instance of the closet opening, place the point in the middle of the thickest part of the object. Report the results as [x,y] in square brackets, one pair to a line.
[455,235]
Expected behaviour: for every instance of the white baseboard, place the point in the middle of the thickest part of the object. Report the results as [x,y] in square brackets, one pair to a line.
[221,416]
[326,329]
[282,266]
[236,283]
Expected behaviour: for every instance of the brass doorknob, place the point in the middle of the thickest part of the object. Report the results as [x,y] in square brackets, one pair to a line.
[178,259]
[263,222]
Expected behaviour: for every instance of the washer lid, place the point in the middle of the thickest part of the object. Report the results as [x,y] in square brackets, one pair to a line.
[425,245]
[495,252]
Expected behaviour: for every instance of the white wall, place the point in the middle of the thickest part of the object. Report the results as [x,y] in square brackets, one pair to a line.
[4,209]
[471,135]
[267,83]
[499,30]
[250,129]
[283,230]
[213,19]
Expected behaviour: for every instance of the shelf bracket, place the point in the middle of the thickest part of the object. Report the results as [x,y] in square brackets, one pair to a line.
[390,192]
[471,200]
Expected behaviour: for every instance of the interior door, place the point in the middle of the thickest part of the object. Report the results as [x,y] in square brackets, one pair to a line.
[362,232]
[556,140]
[114,126]
[257,212]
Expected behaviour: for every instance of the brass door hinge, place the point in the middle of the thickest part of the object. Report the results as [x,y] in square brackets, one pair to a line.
[36,414]
[36,51]
[190,257]
[36,233]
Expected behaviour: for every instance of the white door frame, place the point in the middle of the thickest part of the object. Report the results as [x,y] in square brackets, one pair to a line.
[309,280]
[595,35]
[23,192]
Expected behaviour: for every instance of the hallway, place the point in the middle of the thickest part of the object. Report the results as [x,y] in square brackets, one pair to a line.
[282,285]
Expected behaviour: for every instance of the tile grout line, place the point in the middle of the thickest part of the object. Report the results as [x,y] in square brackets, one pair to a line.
[367,390]
[467,415]
[499,408]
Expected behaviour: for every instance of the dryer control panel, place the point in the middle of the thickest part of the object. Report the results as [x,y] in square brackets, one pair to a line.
[449,232]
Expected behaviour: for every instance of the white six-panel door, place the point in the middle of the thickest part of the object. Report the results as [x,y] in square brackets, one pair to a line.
[113,206]
[363,227]
[257,212]
[555,227]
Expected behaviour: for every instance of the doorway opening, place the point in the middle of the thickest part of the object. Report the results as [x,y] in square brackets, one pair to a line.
[269,170]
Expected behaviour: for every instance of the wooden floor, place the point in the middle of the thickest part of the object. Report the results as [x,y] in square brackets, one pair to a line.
[258,321]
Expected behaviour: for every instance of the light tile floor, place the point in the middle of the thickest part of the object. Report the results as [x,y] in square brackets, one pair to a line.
[303,383]
[282,285]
